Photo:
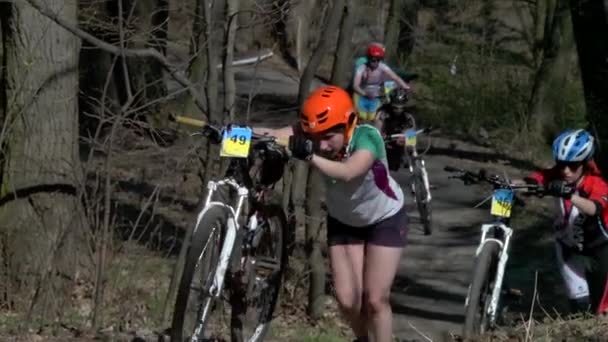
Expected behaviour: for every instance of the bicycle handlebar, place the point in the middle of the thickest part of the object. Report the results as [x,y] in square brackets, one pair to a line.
[202,124]
[402,134]
[469,177]
[188,121]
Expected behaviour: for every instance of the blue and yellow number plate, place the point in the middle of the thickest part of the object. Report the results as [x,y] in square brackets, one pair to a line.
[502,202]
[236,142]
[410,137]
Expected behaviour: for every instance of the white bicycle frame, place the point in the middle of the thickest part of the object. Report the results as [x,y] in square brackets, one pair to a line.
[414,155]
[425,175]
[232,227]
[503,256]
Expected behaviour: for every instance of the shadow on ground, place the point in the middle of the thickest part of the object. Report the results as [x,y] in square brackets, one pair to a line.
[483,157]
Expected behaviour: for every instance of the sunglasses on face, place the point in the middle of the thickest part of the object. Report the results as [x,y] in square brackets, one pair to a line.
[571,165]
[374,60]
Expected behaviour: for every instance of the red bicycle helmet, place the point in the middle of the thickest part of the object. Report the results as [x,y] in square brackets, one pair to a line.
[375,51]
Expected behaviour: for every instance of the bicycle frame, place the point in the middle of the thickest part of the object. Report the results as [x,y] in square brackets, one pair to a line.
[232,227]
[497,232]
[502,262]
[413,157]
[412,154]
[236,179]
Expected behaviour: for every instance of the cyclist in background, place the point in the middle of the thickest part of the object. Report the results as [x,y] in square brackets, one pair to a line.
[370,76]
[392,118]
[367,221]
[581,227]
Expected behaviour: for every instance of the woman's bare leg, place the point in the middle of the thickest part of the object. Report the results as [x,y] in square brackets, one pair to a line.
[381,265]
[347,270]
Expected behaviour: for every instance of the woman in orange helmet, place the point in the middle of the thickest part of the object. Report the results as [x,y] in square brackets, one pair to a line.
[367,222]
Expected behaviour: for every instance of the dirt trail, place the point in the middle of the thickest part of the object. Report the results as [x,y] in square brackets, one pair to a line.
[430,288]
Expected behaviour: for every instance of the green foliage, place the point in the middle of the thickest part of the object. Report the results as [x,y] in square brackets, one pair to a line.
[492,84]
[482,93]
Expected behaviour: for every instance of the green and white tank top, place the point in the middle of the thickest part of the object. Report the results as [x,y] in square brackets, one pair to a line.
[371,197]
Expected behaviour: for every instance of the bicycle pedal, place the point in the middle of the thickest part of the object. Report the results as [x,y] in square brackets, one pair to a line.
[264,265]
[201,289]
[513,292]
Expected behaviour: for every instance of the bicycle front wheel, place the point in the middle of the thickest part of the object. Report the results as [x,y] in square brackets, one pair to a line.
[421,193]
[194,302]
[477,320]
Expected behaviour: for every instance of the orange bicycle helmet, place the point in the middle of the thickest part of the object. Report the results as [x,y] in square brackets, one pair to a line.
[326,108]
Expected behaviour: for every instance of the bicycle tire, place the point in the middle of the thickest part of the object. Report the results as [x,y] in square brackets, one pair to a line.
[475,322]
[214,215]
[424,207]
[277,223]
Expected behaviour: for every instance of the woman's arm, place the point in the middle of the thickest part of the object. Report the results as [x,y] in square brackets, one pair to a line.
[597,201]
[282,133]
[379,120]
[355,166]
[357,83]
[396,78]
[587,206]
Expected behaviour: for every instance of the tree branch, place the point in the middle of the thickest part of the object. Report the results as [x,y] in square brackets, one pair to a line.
[138,53]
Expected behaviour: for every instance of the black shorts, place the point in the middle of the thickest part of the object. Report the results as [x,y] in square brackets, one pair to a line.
[390,232]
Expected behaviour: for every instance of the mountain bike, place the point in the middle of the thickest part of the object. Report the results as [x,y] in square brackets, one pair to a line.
[420,178]
[481,304]
[237,253]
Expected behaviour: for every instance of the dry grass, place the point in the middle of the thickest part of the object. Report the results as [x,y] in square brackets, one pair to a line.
[553,329]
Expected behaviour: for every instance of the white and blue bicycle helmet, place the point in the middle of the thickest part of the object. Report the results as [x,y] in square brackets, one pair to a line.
[573,146]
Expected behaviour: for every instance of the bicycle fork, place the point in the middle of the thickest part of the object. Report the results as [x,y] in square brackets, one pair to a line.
[412,159]
[500,268]
[227,247]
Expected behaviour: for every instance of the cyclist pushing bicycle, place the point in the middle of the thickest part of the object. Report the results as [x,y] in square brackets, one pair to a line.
[367,221]
[581,227]
[393,118]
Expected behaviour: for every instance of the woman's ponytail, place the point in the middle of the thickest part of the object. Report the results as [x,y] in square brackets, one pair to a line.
[591,168]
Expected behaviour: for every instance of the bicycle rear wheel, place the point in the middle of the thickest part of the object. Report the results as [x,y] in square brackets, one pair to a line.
[194,303]
[424,206]
[480,292]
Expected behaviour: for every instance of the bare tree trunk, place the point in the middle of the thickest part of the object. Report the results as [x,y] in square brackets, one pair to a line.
[344,51]
[202,65]
[333,24]
[212,57]
[287,184]
[199,67]
[150,19]
[558,41]
[232,7]
[287,206]
[279,31]
[540,29]
[212,86]
[301,169]
[41,219]
[94,74]
[298,193]
[316,289]
[160,25]
[590,25]
[400,29]
[391,30]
